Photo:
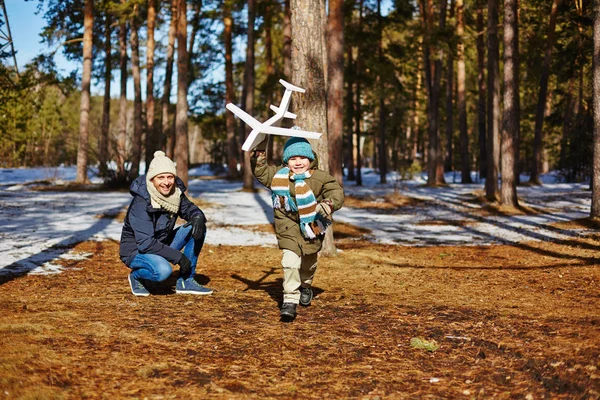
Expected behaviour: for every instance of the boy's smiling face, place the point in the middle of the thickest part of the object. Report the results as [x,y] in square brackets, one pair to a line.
[298,164]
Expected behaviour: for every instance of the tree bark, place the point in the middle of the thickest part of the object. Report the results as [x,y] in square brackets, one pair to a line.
[249,86]
[84,118]
[595,211]
[151,142]
[181,123]
[232,148]
[122,139]
[462,104]
[493,104]
[510,119]
[357,102]
[168,136]
[481,98]
[335,87]
[350,117]
[197,6]
[449,156]
[308,72]
[538,138]
[382,112]
[136,142]
[103,154]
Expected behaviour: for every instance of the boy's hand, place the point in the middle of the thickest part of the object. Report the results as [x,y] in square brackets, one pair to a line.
[324,208]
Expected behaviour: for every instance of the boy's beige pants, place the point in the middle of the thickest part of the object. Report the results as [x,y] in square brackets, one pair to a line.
[297,271]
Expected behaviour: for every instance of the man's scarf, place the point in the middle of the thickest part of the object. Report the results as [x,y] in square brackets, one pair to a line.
[312,224]
[169,203]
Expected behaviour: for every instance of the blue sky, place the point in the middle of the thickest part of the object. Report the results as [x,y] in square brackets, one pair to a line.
[26,27]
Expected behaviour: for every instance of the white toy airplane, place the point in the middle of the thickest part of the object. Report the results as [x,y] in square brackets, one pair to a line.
[260,130]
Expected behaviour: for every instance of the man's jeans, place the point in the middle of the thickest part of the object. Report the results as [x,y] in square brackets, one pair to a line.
[155,268]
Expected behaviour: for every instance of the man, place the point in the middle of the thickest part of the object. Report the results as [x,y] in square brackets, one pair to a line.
[149,241]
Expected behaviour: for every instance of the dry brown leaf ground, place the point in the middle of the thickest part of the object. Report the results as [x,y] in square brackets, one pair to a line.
[510,321]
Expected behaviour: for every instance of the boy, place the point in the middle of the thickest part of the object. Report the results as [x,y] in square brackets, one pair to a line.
[149,242]
[304,198]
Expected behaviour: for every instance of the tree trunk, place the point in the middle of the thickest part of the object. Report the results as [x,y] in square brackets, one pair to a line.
[350,118]
[308,72]
[249,85]
[510,119]
[181,123]
[197,6]
[595,211]
[287,41]
[82,149]
[481,100]
[462,105]
[493,137]
[103,155]
[335,87]
[382,112]
[136,142]
[270,71]
[232,148]
[168,134]
[449,159]
[358,108]
[435,171]
[122,139]
[538,139]
[151,142]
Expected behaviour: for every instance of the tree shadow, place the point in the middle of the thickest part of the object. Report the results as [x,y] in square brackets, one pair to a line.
[25,266]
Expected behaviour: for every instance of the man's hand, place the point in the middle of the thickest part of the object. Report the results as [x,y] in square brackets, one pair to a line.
[185,267]
[198,226]
[324,209]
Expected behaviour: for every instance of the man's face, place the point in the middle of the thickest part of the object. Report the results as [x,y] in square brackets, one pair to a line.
[164,183]
[298,164]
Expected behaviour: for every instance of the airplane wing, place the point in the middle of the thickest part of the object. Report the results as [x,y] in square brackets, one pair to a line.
[272,130]
[244,116]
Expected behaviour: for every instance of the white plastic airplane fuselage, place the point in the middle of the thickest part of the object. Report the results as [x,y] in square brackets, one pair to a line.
[261,129]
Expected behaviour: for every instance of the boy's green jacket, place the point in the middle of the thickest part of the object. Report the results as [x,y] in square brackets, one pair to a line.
[287,225]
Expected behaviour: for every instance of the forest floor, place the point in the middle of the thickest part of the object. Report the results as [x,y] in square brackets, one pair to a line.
[499,321]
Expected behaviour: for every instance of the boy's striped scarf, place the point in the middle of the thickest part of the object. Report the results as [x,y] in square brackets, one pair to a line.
[312,224]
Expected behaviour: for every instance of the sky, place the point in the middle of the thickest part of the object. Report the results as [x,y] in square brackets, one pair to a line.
[37,229]
[26,26]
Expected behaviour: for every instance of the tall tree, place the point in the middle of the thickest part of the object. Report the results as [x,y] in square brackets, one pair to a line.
[248,96]
[335,87]
[103,141]
[122,136]
[382,112]
[84,123]
[350,116]
[308,72]
[232,151]
[481,100]
[510,117]
[538,140]
[151,142]
[449,158]
[595,211]
[357,101]
[136,141]
[435,173]
[168,133]
[493,104]
[461,101]
[181,122]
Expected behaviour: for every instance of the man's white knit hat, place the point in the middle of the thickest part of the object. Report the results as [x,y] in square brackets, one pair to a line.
[161,164]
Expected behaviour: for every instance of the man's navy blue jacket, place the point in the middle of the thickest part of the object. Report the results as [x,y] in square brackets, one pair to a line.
[147,230]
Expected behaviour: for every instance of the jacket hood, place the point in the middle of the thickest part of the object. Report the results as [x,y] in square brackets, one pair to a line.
[138,187]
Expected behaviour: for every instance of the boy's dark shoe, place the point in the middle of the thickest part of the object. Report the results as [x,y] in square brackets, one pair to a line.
[306,296]
[137,288]
[288,312]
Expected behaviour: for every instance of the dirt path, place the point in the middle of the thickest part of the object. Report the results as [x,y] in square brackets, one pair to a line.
[510,321]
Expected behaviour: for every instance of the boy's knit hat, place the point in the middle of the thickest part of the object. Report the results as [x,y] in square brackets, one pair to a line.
[161,164]
[297,146]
